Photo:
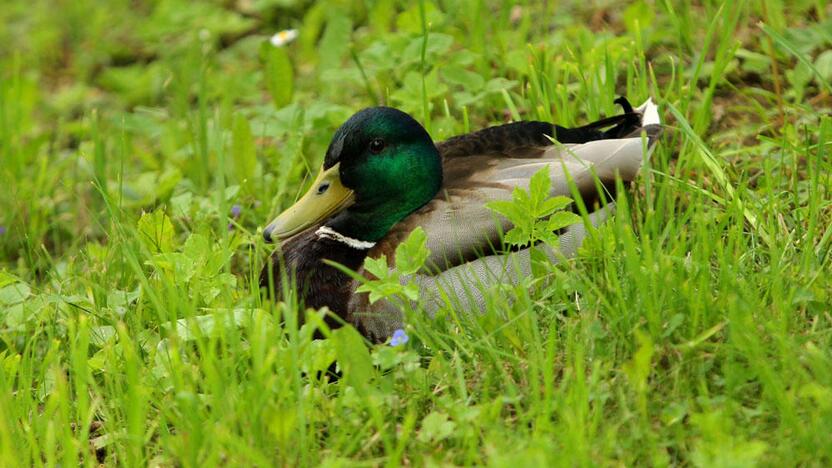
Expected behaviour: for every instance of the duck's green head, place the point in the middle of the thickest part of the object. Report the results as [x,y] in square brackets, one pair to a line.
[380,166]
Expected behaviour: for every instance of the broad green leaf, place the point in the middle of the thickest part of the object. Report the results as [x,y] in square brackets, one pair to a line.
[792,48]
[243,151]
[554,204]
[437,46]
[377,266]
[800,75]
[547,236]
[336,40]
[410,20]
[318,356]
[509,209]
[639,368]
[101,335]
[156,231]
[9,364]
[498,85]
[517,237]
[353,358]
[14,293]
[469,80]
[533,214]
[279,74]
[386,357]
[638,16]
[561,220]
[539,260]
[824,65]
[180,205]
[436,427]
[521,197]
[215,323]
[381,289]
[539,186]
[197,247]
[411,291]
[381,15]
[6,278]
[386,283]
[412,253]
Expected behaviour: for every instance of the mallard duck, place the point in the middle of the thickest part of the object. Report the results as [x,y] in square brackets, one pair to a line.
[383,175]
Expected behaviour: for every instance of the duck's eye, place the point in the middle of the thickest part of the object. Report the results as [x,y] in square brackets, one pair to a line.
[376,145]
[323,187]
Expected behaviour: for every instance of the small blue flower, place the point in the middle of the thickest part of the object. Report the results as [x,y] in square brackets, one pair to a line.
[230,226]
[399,338]
[236,210]
[2,230]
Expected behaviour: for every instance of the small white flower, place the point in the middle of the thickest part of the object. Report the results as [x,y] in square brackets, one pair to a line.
[284,37]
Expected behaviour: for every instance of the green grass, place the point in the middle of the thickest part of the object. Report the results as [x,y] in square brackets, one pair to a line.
[695,328]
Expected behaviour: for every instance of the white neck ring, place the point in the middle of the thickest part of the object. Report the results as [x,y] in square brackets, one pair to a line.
[329,233]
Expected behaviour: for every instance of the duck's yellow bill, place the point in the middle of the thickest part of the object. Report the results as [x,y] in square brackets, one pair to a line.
[324,198]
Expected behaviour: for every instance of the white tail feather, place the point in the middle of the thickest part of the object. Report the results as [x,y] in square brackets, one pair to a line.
[649,112]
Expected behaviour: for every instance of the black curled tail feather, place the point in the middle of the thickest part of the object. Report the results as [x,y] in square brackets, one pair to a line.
[625,104]
[622,125]
[631,120]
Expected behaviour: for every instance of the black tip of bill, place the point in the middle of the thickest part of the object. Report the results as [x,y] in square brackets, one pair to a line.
[267,235]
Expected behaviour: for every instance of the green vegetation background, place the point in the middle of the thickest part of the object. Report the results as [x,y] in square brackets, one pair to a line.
[695,329]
